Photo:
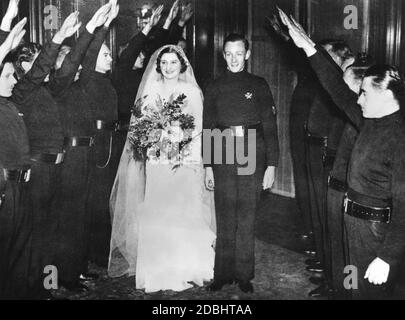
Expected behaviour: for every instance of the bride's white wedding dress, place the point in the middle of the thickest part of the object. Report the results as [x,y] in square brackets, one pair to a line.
[175,239]
[167,239]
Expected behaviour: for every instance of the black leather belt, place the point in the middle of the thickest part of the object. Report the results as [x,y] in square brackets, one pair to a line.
[19,176]
[317,140]
[243,130]
[360,211]
[336,184]
[79,142]
[122,126]
[106,125]
[49,158]
[328,157]
[2,199]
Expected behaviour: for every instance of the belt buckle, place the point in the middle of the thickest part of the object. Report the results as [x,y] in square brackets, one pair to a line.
[238,131]
[74,141]
[2,199]
[100,124]
[27,175]
[345,203]
[389,214]
[325,143]
[59,158]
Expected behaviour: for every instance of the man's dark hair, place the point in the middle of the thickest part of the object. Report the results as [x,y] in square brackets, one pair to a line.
[338,47]
[361,64]
[234,37]
[386,77]
[25,52]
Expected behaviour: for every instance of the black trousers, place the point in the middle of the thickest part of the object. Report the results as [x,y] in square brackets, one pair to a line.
[236,201]
[103,165]
[15,242]
[364,239]
[73,221]
[318,180]
[300,170]
[44,189]
[337,241]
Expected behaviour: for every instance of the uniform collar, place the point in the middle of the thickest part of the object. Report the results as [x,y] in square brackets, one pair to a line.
[235,75]
[396,116]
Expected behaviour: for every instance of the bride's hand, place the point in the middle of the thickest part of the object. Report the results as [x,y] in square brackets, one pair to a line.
[209,179]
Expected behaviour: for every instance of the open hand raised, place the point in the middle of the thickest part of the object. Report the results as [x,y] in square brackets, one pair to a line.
[275,25]
[99,18]
[156,15]
[11,13]
[173,11]
[14,38]
[115,9]
[12,9]
[68,29]
[297,33]
[186,14]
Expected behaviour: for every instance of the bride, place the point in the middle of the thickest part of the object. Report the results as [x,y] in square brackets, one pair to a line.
[163,226]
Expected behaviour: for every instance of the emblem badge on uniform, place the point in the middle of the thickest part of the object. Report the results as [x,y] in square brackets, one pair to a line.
[248,95]
[274,110]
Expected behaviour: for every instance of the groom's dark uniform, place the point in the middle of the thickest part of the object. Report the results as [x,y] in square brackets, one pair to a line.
[231,101]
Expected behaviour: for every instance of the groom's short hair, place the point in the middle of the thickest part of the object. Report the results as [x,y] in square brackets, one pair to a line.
[234,37]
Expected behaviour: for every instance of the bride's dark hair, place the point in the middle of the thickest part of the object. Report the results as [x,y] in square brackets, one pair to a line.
[170,50]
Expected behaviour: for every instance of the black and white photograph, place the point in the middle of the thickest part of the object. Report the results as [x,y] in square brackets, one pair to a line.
[213,151]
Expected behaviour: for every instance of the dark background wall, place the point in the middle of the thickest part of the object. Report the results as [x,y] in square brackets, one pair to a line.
[381,27]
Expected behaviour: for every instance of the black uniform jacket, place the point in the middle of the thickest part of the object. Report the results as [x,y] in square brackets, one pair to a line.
[377,164]
[34,100]
[242,98]
[14,148]
[73,105]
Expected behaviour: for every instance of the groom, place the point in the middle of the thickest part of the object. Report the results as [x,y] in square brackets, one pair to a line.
[238,105]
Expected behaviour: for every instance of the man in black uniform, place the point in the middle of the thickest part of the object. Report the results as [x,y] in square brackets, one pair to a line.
[337,185]
[301,101]
[74,109]
[15,209]
[240,104]
[127,75]
[374,204]
[97,88]
[324,129]
[45,134]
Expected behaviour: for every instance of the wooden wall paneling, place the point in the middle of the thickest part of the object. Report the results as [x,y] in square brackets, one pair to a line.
[326,19]
[46,16]
[203,50]
[378,32]
[126,23]
[402,41]
[394,25]
[269,61]
[231,16]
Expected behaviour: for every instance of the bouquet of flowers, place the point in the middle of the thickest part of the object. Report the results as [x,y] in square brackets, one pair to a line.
[151,132]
